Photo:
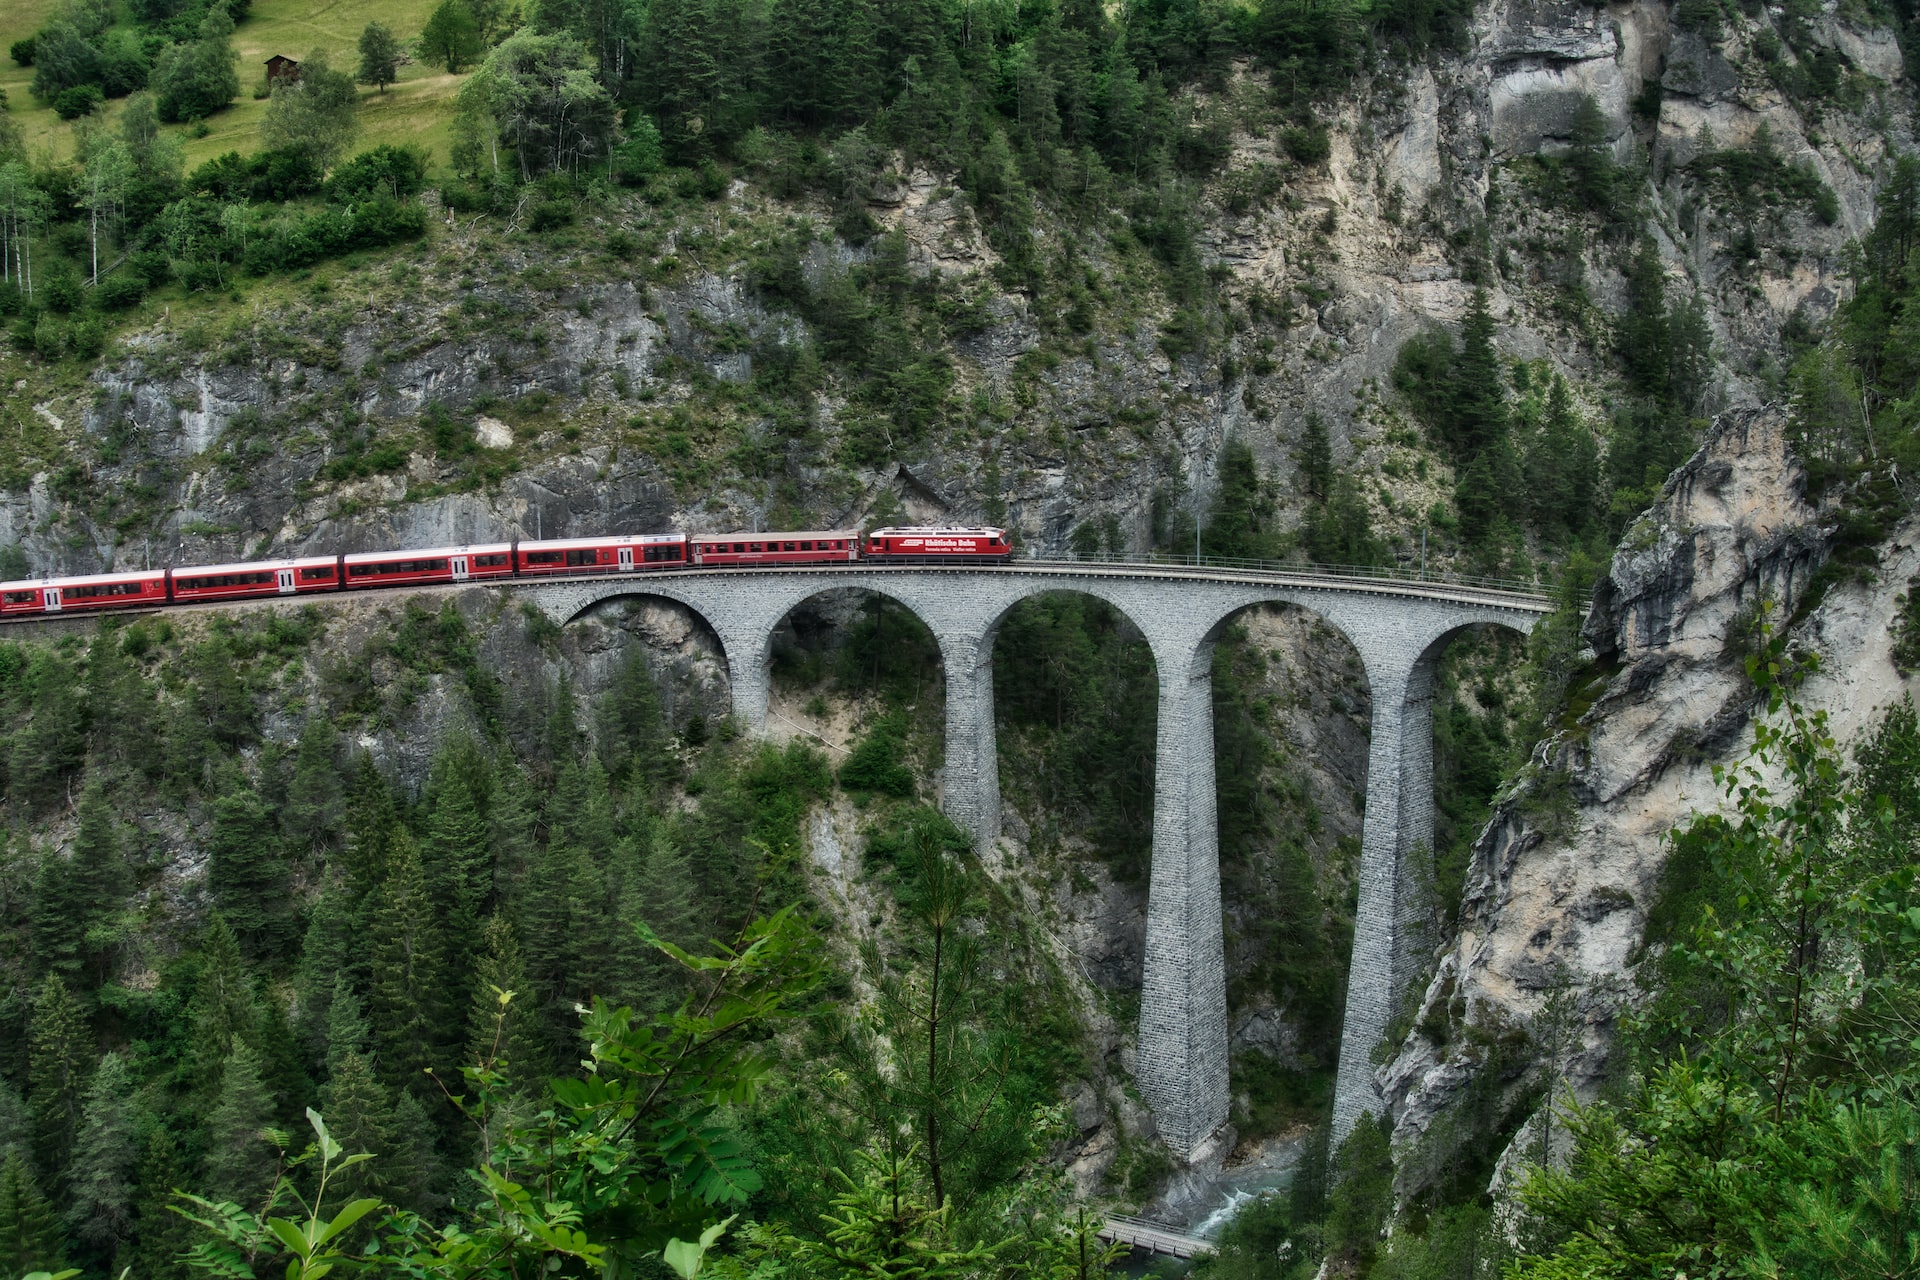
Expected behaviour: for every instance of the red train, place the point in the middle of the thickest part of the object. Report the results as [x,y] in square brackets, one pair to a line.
[613,555]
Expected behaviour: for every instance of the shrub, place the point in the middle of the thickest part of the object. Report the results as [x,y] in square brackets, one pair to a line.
[877,764]
[1307,144]
[22,51]
[49,338]
[121,290]
[81,100]
[464,197]
[267,176]
[551,214]
[398,173]
[61,290]
[86,338]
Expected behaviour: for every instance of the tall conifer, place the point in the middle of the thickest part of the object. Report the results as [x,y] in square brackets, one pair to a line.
[29,1229]
[222,1005]
[100,1185]
[370,822]
[248,870]
[240,1160]
[161,1236]
[509,1032]
[59,1068]
[406,950]
[313,810]
[360,1117]
[49,748]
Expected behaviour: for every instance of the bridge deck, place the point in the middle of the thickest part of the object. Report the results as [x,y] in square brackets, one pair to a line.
[1152,1237]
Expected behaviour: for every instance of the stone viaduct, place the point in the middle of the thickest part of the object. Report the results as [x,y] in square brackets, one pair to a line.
[1400,629]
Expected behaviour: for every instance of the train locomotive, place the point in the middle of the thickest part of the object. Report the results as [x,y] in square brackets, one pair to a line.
[648,553]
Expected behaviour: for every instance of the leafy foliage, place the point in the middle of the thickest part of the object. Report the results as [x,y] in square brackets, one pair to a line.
[1770,1130]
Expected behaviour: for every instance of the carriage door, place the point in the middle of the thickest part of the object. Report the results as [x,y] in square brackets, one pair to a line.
[285,577]
[459,568]
[626,559]
[52,596]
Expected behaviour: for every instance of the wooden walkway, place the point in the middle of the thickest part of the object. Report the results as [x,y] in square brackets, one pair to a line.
[1152,1237]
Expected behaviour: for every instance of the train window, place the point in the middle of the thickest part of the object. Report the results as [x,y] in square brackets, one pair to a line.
[739,547]
[494,561]
[587,556]
[543,557]
[323,573]
[664,551]
[23,597]
[808,546]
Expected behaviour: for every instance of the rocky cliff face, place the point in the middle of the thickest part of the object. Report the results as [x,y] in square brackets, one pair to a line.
[1565,872]
[234,429]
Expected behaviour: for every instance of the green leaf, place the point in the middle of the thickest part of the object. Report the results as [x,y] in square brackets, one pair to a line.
[347,1216]
[290,1235]
[328,1147]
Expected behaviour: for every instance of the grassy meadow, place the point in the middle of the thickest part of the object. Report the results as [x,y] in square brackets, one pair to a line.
[417,110]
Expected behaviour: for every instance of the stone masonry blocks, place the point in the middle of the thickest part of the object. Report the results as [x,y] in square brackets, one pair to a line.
[1399,629]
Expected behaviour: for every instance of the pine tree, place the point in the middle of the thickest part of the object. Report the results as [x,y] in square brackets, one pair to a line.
[61,1061]
[313,810]
[496,1033]
[49,748]
[240,1159]
[632,737]
[331,952]
[100,1185]
[1479,390]
[1644,334]
[661,895]
[347,1030]
[100,875]
[248,871]
[415,1166]
[222,1007]
[556,919]
[60,915]
[29,1229]
[458,851]
[121,706]
[511,811]
[282,1063]
[1315,458]
[16,1126]
[161,1236]
[359,1114]
[370,822]
[404,1002]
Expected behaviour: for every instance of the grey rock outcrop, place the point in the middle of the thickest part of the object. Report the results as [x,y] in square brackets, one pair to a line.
[1564,874]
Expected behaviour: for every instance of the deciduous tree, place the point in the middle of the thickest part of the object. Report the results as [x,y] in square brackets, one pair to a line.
[379,57]
[451,36]
[315,114]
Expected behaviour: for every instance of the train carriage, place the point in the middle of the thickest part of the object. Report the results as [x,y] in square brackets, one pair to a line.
[932,545]
[72,595]
[752,550]
[442,564]
[602,555]
[262,578]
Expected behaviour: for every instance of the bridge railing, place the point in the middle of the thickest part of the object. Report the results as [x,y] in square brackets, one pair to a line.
[1384,573]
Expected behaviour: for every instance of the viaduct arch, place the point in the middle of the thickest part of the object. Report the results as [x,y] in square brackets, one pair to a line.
[1400,630]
